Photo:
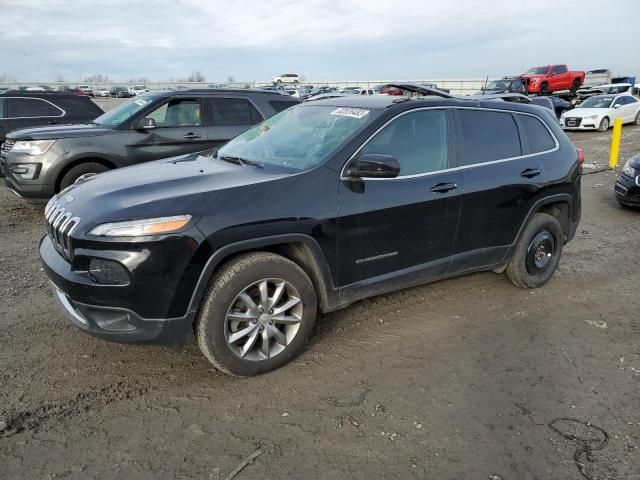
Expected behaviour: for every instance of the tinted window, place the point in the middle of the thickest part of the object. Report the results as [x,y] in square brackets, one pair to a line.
[31,107]
[539,138]
[2,114]
[177,113]
[419,141]
[234,111]
[280,105]
[488,136]
[559,69]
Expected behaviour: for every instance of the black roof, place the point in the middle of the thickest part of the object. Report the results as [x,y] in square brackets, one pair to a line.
[377,102]
[23,93]
[217,91]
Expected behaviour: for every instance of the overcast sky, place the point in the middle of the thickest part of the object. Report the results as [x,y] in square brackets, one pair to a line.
[322,39]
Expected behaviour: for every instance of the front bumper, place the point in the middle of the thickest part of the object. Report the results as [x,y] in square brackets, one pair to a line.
[41,188]
[155,306]
[584,124]
[627,190]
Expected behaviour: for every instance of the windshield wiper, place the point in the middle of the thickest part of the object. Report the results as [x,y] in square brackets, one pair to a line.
[240,161]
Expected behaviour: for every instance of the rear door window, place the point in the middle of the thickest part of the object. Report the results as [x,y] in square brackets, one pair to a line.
[234,111]
[538,136]
[31,108]
[488,136]
[280,105]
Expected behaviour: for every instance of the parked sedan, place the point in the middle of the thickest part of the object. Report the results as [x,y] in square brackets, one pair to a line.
[120,92]
[627,188]
[101,92]
[599,112]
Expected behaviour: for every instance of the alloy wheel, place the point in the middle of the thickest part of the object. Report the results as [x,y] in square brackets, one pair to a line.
[263,319]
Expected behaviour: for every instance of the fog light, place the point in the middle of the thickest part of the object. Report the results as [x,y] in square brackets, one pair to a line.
[107,271]
[25,171]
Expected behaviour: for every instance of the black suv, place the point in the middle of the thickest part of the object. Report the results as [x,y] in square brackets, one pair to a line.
[320,206]
[29,109]
[39,162]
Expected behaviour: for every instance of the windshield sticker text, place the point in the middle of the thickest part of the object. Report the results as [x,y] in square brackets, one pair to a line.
[350,112]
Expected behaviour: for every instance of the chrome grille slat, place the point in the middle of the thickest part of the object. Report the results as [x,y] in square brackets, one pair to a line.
[60,224]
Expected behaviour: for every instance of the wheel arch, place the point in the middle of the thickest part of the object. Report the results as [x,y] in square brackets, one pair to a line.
[299,248]
[80,160]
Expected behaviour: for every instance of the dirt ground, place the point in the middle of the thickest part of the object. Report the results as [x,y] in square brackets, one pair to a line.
[468,378]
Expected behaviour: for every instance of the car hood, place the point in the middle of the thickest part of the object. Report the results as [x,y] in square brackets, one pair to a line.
[58,131]
[173,186]
[585,112]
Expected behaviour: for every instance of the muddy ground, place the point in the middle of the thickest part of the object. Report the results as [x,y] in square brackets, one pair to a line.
[468,378]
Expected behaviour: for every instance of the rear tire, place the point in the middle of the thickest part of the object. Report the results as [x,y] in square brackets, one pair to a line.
[241,330]
[637,120]
[575,86]
[537,252]
[74,173]
[604,124]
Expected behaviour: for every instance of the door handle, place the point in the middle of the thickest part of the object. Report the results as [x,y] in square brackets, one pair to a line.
[444,187]
[530,173]
[190,136]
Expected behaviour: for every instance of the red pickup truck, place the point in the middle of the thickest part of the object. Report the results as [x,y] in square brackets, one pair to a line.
[552,78]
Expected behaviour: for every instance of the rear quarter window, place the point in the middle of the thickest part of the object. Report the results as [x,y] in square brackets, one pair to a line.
[538,136]
[488,136]
[31,108]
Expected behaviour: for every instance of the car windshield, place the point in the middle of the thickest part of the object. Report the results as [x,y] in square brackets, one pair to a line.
[597,102]
[537,71]
[499,85]
[123,112]
[298,138]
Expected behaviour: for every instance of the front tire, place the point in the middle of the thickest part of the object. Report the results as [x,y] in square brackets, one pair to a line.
[637,120]
[537,252]
[544,89]
[604,125]
[88,168]
[257,314]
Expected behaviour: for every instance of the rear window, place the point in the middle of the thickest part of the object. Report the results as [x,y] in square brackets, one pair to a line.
[538,136]
[280,105]
[234,111]
[31,107]
[488,136]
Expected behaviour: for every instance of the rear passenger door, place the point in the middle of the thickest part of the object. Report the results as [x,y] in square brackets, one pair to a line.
[501,179]
[229,117]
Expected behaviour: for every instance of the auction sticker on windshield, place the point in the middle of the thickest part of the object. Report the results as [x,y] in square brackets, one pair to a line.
[350,112]
[141,102]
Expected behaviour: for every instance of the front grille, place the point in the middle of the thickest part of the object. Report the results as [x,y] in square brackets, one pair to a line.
[4,149]
[572,121]
[60,224]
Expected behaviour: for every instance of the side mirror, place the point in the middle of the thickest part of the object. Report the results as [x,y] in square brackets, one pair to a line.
[617,105]
[144,124]
[374,165]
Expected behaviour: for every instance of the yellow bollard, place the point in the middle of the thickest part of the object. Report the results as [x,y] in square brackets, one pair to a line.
[615,143]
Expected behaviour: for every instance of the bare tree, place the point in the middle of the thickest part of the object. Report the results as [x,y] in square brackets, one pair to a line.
[5,78]
[231,79]
[97,78]
[196,76]
[139,80]
[60,78]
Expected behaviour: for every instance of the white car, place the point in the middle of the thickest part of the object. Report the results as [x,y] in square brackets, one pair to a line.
[138,89]
[599,112]
[101,92]
[287,78]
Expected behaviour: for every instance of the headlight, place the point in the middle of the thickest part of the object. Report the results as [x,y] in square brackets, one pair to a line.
[37,147]
[628,170]
[25,171]
[590,117]
[139,228]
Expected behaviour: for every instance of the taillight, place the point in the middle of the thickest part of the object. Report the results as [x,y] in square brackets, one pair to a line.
[580,155]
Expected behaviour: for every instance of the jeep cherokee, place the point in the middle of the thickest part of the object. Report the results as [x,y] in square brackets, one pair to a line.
[322,205]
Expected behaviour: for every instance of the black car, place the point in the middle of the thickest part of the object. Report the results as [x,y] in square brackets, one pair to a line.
[30,109]
[627,187]
[120,92]
[39,162]
[505,85]
[320,206]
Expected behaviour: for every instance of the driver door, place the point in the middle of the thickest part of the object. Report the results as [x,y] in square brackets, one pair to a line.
[180,129]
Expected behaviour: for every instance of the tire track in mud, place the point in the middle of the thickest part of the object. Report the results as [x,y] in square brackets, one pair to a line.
[83,402]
